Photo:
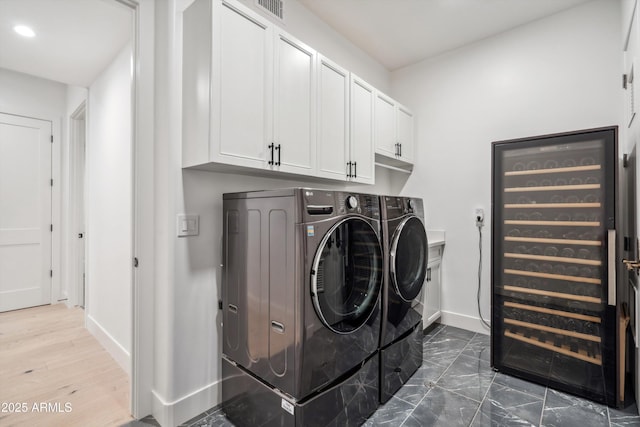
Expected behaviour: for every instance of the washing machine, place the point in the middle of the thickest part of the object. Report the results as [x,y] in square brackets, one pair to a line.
[406,250]
[302,278]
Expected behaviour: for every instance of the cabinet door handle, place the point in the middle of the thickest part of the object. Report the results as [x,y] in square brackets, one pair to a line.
[279,153]
[270,146]
[611,264]
[400,146]
[428,274]
[348,169]
[355,169]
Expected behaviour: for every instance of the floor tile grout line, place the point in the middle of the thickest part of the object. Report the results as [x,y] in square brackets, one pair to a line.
[544,404]
[483,399]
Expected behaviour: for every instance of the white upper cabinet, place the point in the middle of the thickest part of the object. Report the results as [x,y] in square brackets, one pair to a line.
[294,106]
[255,97]
[385,137]
[345,125]
[242,87]
[333,120]
[256,85]
[394,137]
[362,152]
[404,120]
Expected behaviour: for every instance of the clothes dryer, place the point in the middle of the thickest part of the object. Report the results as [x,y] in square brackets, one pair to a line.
[302,278]
[406,250]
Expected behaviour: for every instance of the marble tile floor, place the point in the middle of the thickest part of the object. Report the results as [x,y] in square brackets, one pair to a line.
[457,387]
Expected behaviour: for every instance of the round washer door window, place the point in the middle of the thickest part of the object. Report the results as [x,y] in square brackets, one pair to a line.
[347,275]
[409,253]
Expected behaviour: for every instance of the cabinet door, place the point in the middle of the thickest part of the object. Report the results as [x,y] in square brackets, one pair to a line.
[432,295]
[294,120]
[385,125]
[405,133]
[241,86]
[333,120]
[362,130]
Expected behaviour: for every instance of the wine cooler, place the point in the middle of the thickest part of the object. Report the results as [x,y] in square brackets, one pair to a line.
[554,302]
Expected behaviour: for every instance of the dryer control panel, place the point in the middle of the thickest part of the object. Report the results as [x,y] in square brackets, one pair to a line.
[396,207]
[363,204]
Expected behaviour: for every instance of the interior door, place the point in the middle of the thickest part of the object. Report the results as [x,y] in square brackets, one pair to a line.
[25,212]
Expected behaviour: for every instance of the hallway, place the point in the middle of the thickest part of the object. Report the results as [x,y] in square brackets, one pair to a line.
[54,368]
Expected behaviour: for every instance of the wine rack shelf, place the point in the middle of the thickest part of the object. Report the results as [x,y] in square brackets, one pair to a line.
[550,345]
[554,170]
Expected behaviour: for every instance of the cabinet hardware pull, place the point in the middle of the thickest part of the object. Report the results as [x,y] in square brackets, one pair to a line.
[349,170]
[355,169]
[233,308]
[277,326]
[279,153]
[270,146]
[400,147]
[611,261]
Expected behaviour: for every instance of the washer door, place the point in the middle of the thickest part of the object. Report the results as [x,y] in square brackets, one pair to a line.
[346,276]
[408,262]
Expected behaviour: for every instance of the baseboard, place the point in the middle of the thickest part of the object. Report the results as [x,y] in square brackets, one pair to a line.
[113,347]
[174,413]
[462,321]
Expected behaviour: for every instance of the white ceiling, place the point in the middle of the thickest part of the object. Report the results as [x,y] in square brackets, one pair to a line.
[78,38]
[398,33]
[75,39]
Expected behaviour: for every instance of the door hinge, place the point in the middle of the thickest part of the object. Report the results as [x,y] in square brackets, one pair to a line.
[135,262]
[51,227]
[52,139]
[50,273]
[624,81]
[52,182]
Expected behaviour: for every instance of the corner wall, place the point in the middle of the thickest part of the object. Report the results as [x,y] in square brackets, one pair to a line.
[557,74]
[109,209]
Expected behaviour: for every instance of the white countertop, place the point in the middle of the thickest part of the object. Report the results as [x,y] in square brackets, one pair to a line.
[435,237]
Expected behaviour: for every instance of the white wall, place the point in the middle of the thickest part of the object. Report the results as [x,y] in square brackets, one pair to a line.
[187,286]
[30,96]
[109,208]
[558,74]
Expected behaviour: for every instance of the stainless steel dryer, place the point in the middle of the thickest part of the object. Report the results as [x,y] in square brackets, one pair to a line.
[406,254]
[302,277]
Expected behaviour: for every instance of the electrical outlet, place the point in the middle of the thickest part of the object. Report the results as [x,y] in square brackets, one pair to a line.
[479,216]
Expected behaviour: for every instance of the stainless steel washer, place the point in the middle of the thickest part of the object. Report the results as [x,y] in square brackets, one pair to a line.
[302,277]
[406,251]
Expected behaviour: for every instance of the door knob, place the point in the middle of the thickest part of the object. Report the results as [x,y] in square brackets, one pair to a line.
[631,265]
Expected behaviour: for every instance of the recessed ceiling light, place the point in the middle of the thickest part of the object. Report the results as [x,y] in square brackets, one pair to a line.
[23,30]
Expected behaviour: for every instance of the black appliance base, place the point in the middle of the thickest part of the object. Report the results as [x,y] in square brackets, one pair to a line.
[399,361]
[247,401]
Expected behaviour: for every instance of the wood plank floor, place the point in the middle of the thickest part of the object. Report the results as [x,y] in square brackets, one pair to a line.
[53,368]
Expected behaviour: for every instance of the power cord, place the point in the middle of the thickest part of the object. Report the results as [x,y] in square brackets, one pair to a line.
[479,225]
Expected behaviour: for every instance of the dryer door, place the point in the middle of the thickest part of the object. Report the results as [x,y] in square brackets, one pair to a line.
[346,276]
[409,256]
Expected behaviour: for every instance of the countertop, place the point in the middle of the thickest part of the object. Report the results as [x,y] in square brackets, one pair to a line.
[435,237]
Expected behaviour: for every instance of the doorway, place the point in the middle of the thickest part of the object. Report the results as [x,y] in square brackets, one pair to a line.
[70,271]
[77,134]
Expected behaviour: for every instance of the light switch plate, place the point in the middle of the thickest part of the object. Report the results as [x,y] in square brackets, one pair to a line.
[188,225]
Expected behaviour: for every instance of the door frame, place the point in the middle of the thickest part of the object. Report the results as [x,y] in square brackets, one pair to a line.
[143,213]
[77,184]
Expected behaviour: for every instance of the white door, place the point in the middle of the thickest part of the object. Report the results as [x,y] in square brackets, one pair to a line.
[333,120]
[242,86]
[362,125]
[294,112]
[25,212]
[405,133]
[385,122]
